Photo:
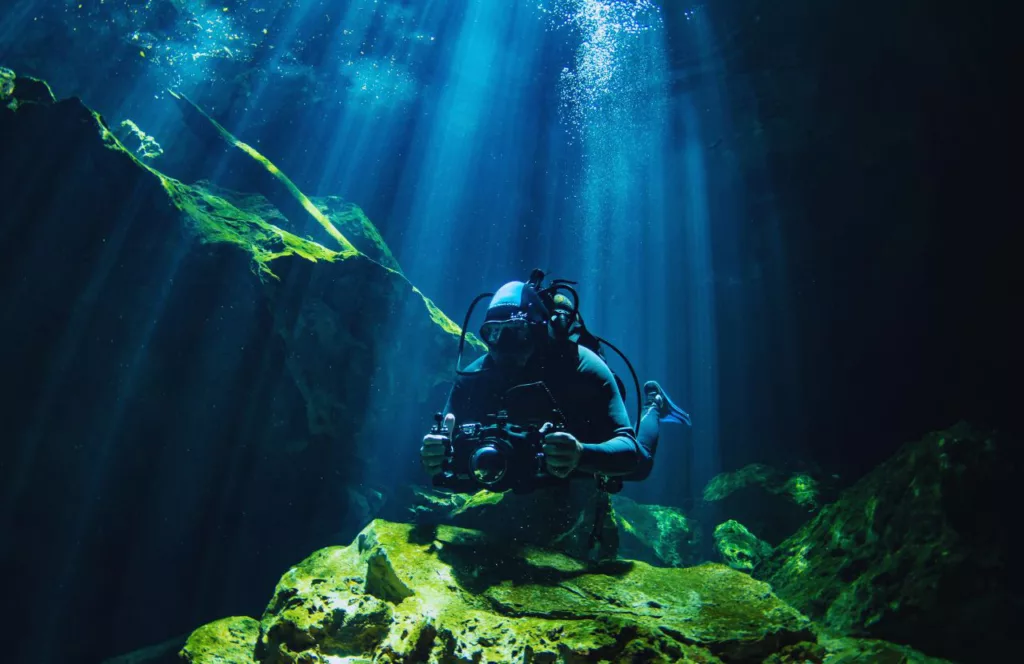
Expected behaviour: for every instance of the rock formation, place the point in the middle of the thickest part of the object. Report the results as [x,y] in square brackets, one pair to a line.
[915,552]
[768,501]
[159,329]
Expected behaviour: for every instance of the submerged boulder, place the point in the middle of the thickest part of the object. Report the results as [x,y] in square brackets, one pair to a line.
[16,90]
[657,534]
[738,547]
[191,347]
[406,593]
[165,652]
[6,84]
[850,651]
[770,502]
[915,552]
[226,640]
[347,217]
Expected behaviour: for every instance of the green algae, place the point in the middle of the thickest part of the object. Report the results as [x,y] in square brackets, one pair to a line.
[900,553]
[227,640]
[347,249]
[801,488]
[656,534]
[215,220]
[738,547]
[402,593]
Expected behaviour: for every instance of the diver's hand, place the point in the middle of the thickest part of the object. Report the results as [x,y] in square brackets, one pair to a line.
[562,452]
[434,446]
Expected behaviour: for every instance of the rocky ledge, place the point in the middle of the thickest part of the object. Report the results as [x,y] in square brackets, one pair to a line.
[405,593]
[917,551]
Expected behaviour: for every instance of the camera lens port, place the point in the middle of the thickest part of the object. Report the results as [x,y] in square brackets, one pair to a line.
[488,464]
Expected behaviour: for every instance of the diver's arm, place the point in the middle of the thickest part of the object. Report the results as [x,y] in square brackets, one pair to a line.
[618,456]
[619,453]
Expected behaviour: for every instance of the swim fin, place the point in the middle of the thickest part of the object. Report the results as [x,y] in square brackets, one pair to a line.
[669,412]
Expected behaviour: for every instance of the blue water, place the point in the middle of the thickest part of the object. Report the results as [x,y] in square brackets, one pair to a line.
[745,199]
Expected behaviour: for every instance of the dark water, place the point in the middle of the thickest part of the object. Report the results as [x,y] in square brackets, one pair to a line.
[796,216]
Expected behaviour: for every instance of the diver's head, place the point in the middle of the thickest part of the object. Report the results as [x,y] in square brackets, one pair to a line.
[515,325]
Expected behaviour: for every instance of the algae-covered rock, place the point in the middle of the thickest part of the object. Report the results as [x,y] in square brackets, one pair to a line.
[165,652]
[6,84]
[772,503]
[915,552]
[148,148]
[873,651]
[171,328]
[406,593]
[738,547]
[850,651]
[348,217]
[657,534]
[560,517]
[16,90]
[357,227]
[227,640]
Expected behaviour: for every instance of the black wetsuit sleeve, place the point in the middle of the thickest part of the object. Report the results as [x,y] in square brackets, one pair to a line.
[618,453]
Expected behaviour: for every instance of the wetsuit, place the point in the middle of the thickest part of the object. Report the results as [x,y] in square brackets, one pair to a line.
[586,399]
[583,390]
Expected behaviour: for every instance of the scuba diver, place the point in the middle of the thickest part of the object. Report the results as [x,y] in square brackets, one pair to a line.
[538,413]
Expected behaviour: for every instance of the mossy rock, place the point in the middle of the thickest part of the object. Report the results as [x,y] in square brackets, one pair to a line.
[406,593]
[657,534]
[165,652]
[357,227]
[225,641]
[873,651]
[738,547]
[850,651]
[16,90]
[349,219]
[224,281]
[770,502]
[915,552]
[7,78]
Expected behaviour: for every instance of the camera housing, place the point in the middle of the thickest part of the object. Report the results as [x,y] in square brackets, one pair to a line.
[498,456]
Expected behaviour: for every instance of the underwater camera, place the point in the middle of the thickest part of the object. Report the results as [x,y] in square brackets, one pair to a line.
[496,457]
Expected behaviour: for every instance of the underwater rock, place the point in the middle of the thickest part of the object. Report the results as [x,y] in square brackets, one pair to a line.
[873,651]
[850,651]
[915,552]
[560,517]
[6,83]
[171,329]
[15,90]
[773,504]
[148,146]
[347,217]
[656,534]
[405,593]
[739,548]
[226,640]
[347,286]
[364,503]
[31,90]
[354,223]
[267,178]
[167,652]
[426,505]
